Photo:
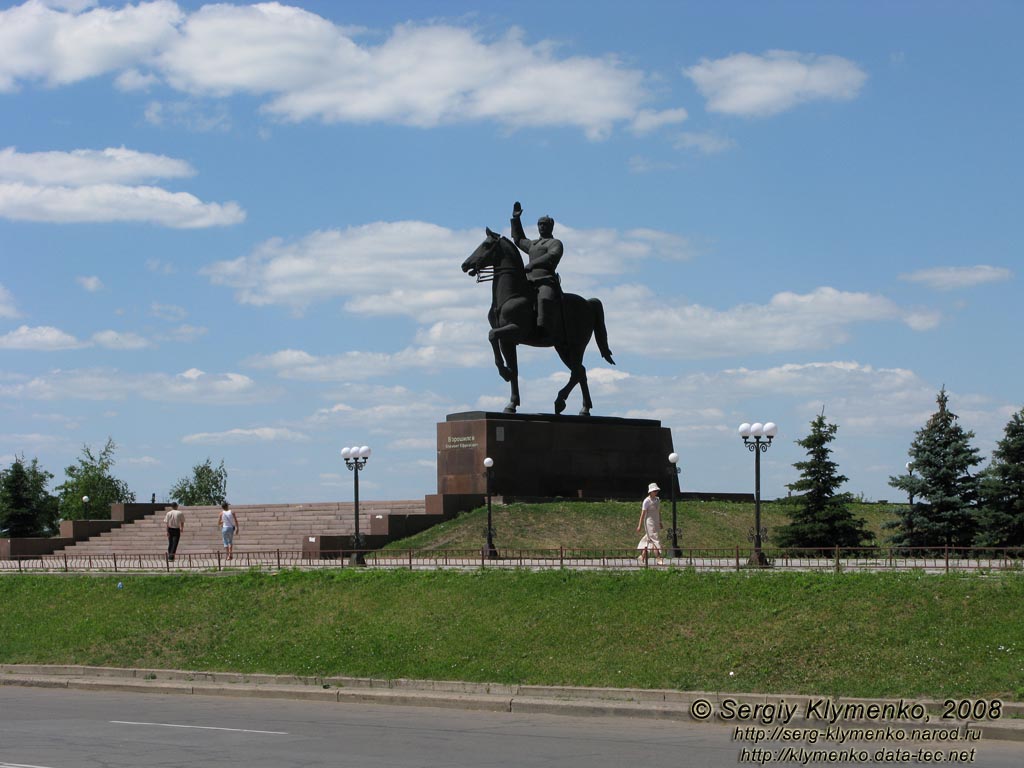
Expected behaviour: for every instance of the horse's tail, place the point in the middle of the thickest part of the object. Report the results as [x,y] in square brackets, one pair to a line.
[600,332]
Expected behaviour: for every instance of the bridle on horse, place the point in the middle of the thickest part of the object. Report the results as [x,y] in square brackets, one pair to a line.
[487,274]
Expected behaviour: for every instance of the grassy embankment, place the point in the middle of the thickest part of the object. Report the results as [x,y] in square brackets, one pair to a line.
[611,525]
[841,634]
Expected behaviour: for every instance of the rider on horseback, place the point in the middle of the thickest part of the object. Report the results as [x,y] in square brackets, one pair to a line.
[545,252]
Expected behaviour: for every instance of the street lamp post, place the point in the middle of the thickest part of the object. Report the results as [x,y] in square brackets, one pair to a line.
[355,459]
[673,473]
[85,504]
[757,437]
[490,552]
[910,471]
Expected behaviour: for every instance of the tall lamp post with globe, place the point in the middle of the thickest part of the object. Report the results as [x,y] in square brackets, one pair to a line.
[673,473]
[757,437]
[490,551]
[355,459]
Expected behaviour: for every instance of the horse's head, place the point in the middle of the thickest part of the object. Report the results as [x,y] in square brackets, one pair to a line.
[485,256]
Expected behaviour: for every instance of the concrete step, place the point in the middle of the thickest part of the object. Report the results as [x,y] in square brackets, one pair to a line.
[262,527]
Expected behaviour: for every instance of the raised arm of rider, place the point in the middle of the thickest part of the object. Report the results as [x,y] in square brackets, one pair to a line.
[519,236]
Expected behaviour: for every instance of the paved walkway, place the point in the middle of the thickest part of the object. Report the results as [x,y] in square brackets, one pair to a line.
[746,710]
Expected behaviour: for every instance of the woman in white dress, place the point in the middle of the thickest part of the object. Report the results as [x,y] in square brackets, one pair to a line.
[650,523]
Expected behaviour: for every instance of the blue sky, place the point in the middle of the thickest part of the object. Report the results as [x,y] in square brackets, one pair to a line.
[234,231]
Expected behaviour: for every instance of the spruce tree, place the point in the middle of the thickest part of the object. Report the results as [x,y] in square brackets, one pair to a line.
[1001,516]
[822,517]
[945,492]
[26,507]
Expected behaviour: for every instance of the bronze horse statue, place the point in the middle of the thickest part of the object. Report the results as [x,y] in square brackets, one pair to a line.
[513,320]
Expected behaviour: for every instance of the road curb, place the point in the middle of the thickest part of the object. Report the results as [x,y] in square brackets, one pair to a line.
[489,697]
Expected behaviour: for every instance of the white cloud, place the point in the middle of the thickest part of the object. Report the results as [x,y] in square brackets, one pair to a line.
[34,443]
[160,267]
[113,202]
[41,43]
[307,67]
[788,322]
[170,312]
[85,167]
[863,399]
[760,86]
[192,386]
[707,143]
[46,338]
[143,461]
[133,80]
[236,436]
[90,283]
[189,115]
[464,350]
[951,278]
[7,308]
[95,186]
[412,267]
[390,268]
[119,340]
[184,333]
[647,120]
[641,164]
[41,337]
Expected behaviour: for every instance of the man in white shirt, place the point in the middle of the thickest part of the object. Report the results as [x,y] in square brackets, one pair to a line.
[175,522]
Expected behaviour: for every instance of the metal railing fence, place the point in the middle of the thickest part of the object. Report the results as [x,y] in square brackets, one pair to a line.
[836,559]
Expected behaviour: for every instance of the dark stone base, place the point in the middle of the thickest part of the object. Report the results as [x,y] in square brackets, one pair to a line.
[548,456]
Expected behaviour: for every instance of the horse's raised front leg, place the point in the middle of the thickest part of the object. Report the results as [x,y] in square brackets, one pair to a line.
[492,337]
[499,361]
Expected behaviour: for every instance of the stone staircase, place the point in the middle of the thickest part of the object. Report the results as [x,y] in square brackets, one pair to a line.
[263,527]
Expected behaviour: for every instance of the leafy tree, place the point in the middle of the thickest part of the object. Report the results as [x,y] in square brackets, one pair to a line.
[208,485]
[945,492]
[1001,517]
[91,477]
[822,517]
[26,507]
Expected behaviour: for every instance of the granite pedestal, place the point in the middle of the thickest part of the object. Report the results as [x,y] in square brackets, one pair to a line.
[544,456]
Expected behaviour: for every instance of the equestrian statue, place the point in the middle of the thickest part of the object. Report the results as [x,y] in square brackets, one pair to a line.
[529,307]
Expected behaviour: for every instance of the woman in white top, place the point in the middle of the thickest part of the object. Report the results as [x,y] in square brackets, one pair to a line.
[650,523]
[228,528]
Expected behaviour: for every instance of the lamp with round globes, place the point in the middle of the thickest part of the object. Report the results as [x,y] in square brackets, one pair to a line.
[673,474]
[490,552]
[355,459]
[757,437]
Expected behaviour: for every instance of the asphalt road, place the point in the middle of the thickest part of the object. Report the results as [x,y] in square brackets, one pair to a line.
[44,728]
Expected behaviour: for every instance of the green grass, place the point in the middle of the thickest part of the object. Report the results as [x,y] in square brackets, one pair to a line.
[612,525]
[890,634]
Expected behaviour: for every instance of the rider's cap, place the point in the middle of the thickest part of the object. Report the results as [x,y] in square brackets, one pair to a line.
[544,218]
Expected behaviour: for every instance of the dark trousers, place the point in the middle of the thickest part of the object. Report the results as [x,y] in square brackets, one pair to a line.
[173,536]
